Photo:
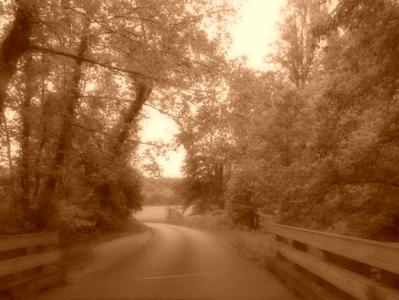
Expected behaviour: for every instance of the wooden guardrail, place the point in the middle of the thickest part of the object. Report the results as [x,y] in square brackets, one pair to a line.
[360,268]
[27,264]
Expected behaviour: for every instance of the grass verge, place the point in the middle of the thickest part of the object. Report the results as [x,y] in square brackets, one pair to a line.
[253,245]
[87,257]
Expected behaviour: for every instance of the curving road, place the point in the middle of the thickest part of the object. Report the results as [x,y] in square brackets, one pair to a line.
[177,263]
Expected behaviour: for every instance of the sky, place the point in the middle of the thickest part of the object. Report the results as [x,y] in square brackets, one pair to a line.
[252,36]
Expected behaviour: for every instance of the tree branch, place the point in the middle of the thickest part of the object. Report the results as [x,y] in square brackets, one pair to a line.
[362,182]
[110,135]
[172,116]
[175,118]
[135,74]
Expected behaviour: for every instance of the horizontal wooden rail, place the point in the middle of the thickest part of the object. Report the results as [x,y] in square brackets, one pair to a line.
[36,259]
[355,285]
[377,254]
[310,254]
[13,242]
[19,264]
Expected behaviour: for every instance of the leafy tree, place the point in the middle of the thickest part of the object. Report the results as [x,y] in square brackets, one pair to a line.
[297,47]
[205,137]
[161,191]
[313,142]
[14,45]
[71,116]
[357,104]
[242,201]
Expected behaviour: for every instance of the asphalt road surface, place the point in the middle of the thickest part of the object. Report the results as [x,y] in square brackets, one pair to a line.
[177,263]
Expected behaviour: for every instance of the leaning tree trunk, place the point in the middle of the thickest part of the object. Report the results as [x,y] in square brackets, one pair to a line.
[121,130]
[118,138]
[13,47]
[46,207]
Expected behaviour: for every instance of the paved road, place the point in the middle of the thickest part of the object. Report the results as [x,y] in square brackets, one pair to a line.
[177,263]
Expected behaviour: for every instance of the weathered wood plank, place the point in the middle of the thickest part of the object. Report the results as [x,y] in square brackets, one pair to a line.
[47,280]
[13,242]
[28,287]
[359,287]
[299,283]
[377,254]
[28,262]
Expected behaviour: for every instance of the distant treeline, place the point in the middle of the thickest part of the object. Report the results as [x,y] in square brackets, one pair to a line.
[161,191]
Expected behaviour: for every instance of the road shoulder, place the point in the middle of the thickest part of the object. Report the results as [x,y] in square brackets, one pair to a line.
[85,259]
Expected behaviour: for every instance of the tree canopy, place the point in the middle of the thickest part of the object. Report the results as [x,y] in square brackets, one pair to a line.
[74,76]
[310,142]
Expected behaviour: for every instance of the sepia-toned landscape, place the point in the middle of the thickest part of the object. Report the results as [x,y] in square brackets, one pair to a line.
[199,149]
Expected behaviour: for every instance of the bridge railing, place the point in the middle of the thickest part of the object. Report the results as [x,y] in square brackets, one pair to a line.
[27,263]
[363,269]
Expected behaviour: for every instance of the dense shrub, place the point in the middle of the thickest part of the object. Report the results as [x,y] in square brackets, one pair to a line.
[242,205]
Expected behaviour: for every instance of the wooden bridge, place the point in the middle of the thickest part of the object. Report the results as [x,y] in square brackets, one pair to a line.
[317,265]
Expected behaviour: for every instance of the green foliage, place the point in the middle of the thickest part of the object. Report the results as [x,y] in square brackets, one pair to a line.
[297,47]
[174,215]
[69,132]
[161,191]
[203,186]
[10,216]
[204,135]
[213,219]
[314,143]
[242,196]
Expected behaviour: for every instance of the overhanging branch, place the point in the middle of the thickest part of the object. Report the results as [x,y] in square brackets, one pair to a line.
[135,74]
[364,182]
[110,135]
[172,116]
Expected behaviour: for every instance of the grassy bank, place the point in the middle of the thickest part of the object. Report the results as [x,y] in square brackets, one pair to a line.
[96,252]
[253,245]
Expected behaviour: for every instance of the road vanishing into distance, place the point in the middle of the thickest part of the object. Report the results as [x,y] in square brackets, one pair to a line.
[177,263]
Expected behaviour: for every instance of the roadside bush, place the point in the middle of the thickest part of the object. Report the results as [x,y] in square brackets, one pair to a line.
[174,215]
[216,219]
[241,203]
[12,220]
[253,245]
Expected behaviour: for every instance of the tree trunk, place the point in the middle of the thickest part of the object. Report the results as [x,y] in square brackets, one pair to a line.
[26,135]
[8,141]
[119,137]
[45,103]
[218,184]
[47,210]
[13,47]
[122,129]
[42,143]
